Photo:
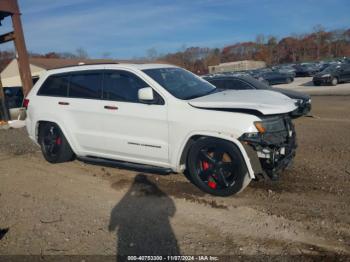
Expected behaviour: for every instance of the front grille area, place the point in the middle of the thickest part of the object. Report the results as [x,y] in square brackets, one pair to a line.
[276,147]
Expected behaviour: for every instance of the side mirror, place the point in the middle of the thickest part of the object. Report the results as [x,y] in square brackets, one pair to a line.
[146,94]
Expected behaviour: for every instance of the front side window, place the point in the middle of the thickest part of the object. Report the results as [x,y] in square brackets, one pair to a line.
[121,86]
[180,83]
[55,85]
[85,85]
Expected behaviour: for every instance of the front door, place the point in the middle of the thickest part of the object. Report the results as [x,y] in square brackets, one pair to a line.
[132,131]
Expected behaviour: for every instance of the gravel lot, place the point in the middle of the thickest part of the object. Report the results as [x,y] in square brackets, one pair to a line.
[78,208]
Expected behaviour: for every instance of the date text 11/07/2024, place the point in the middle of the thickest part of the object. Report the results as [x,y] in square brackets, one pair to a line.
[172,258]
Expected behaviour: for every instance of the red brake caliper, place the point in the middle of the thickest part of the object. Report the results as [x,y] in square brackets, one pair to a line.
[205,165]
[58,141]
[211,183]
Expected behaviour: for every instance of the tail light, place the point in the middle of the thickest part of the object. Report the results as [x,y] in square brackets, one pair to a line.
[26,103]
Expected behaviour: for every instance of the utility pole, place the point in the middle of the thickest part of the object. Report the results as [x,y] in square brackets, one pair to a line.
[11,8]
[21,51]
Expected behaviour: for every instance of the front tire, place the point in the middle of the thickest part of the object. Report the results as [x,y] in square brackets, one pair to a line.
[334,81]
[217,167]
[54,144]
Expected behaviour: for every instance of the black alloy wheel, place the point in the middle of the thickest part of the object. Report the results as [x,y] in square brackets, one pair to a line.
[217,167]
[52,141]
[54,144]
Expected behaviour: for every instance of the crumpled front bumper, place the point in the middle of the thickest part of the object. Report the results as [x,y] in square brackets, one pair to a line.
[322,80]
[271,153]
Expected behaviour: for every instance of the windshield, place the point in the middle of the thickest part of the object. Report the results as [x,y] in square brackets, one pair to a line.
[180,83]
[330,69]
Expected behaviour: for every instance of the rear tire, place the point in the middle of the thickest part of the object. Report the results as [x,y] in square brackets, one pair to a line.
[217,167]
[54,144]
[289,80]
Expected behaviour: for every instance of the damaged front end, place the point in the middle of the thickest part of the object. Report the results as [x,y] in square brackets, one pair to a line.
[272,149]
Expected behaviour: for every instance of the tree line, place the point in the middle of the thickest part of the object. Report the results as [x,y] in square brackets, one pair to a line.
[316,45]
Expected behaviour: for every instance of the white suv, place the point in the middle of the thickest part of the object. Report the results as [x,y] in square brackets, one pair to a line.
[161,117]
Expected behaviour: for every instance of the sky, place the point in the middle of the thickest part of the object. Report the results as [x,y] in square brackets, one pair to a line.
[128,29]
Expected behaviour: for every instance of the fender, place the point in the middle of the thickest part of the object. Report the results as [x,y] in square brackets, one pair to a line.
[220,136]
[70,140]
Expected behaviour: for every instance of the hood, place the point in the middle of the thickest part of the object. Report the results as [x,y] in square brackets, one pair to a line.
[264,101]
[292,94]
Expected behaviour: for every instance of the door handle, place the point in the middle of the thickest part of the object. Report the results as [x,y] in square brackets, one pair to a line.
[111,107]
[63,103]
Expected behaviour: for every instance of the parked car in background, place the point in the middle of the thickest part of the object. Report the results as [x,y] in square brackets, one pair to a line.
[162,117]
[287,69]
[333,75]
[305,69]
[244,82]
[14,101]
[323,66]
[275,77]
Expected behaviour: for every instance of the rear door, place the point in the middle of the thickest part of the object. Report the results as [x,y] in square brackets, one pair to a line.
[82,109]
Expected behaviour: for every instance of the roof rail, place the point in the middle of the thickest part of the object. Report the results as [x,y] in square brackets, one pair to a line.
[85,64]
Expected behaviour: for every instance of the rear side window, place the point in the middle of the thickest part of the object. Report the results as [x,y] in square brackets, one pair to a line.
[55,85]
[121,86]
[85,85]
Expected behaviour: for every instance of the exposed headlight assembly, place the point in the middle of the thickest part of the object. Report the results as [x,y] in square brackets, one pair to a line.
[272,124]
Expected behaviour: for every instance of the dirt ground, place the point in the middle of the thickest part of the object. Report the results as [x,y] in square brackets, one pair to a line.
[78,208]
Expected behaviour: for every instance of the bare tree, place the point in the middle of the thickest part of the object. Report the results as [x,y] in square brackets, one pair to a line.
[152,54]
[318,31]
[81,53]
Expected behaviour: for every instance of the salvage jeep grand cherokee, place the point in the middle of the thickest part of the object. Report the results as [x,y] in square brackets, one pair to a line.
[161,117]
